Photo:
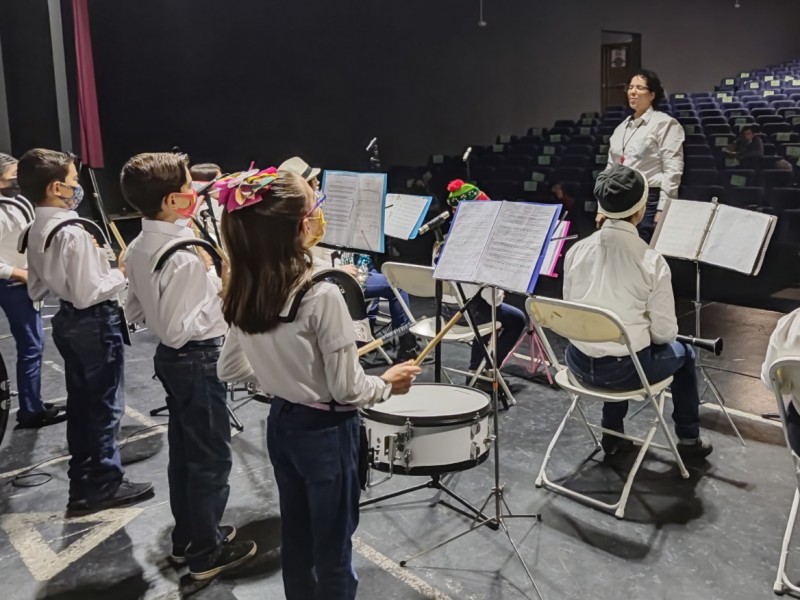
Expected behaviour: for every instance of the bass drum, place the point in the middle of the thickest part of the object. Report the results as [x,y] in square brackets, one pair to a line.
[5,398]
[435,428]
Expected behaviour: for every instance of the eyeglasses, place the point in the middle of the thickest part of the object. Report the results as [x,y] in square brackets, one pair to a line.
[320,198]
[638,88]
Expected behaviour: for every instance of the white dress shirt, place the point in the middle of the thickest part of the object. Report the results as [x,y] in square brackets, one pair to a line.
[73,268]
[614,269]
[784,343]
[313,359]
[180,303]
[652,144]
[12,222]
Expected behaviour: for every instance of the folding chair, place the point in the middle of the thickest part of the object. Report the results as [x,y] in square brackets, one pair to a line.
[356,305]
[582,323]
[778,373]
[418,281]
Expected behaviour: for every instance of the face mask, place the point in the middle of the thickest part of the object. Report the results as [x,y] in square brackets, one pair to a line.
[186,204]
[77,196]
[12,190]
[317,238]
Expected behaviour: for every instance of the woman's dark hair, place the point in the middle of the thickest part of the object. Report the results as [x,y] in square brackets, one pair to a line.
[653,84]
[268,258]
[6,161]
[204,171]
[146,179]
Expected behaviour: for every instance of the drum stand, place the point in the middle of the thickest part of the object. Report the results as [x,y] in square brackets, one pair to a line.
[502,511]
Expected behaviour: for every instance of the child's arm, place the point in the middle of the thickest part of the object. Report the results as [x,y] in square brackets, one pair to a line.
[233,364]
[87,268]
[10,228]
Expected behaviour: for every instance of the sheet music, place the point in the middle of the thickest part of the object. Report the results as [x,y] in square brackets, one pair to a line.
[404,215]
[466,240]
[516,245]
[354,209]
[554,248]
[736,239]
[683,227]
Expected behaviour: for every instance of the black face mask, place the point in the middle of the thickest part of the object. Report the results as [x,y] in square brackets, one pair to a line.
[12,190]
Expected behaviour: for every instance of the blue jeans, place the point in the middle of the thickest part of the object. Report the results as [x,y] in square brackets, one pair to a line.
[648,225]
[315,457]
[90,342]
[512,322]
[199,446]
[25,323]
[659,361]
[378,287]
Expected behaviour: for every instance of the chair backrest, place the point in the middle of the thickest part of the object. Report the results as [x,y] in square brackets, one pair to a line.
[781,371]
[581,323]
[416,280]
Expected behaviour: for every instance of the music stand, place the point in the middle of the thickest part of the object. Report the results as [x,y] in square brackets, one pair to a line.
[502,511]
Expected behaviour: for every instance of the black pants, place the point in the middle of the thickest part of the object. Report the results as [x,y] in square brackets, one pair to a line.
[199,447]
[793,427]
[648,225]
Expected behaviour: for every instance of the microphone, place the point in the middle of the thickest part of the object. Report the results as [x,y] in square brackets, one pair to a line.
[465,158]
[372,143]
[434,223]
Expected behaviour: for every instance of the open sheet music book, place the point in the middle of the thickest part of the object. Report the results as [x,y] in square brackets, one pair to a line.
[354,209]
[405,214]
[502,244]
[716,234]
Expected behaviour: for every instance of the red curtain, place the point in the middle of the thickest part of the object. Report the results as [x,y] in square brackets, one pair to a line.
[91,140]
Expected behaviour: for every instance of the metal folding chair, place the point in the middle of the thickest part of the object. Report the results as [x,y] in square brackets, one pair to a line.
[779,372]
[418,281]
[589,324]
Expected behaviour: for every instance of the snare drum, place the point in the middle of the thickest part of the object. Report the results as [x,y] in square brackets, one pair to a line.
[435,428]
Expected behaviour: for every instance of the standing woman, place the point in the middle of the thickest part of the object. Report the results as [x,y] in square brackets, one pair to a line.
[297,341]
[651,142]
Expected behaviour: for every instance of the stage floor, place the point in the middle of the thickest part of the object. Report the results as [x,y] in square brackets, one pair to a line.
[714,536]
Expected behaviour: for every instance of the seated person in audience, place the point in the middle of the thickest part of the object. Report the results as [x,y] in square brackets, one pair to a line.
[376,285]
[614,269]
[783,165]
[560,196]
[746,145]
[785,343]
[512,320]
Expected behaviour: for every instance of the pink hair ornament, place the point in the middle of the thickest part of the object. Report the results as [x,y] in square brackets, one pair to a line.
[244,189]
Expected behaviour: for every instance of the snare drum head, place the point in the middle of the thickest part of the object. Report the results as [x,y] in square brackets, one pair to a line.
[432,404]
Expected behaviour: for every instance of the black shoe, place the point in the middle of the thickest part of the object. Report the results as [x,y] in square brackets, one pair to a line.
[699,449]
[127,493]
[615,445]
[231,555]
[50,416]
[178,555]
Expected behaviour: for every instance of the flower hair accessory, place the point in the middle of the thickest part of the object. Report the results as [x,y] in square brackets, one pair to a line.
[244,189]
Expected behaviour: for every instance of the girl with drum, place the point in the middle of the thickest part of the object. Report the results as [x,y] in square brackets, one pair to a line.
[296,339]
[651,142]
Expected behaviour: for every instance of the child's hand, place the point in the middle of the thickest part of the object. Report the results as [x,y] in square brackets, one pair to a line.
[401,377]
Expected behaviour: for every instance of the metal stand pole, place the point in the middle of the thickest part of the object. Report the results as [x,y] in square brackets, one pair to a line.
[502,510]
[701,370]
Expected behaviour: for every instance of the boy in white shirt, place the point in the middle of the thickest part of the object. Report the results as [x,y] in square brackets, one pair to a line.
[616,270]
[87,330]
[24,320]
[180,304]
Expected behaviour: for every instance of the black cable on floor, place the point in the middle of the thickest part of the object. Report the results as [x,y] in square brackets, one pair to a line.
[22,480]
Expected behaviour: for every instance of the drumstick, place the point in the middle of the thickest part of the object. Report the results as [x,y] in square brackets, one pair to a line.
[113,227]
[375,344]
[432,344]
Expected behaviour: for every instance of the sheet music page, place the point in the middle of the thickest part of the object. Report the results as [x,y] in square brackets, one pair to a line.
[682,230]
[354,210]
[465,242]
[736,239]
[404,215]
[517,242]
[554,250]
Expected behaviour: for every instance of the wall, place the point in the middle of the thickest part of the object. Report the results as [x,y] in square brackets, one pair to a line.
[267,79]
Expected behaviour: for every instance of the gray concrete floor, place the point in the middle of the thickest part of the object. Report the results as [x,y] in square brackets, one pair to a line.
[713,536]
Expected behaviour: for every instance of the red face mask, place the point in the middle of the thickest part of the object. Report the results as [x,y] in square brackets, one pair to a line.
[186,204]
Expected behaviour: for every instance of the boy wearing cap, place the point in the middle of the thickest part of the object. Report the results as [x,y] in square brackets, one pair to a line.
[614,269]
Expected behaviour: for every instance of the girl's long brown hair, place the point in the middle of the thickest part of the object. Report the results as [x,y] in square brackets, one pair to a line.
[267,258]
